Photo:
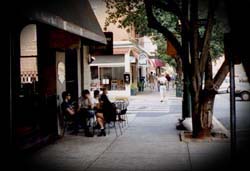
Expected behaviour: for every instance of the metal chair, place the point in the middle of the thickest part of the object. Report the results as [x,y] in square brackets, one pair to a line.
[121,109]
[113,120]
[91,120]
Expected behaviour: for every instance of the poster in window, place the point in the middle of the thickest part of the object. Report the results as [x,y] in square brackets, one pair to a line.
[127,78]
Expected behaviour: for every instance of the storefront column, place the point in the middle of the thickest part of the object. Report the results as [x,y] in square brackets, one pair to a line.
[79,73]
[127,70]
[86,69]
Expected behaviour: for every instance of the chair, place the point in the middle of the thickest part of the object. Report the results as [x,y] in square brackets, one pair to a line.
[122,105]
[91,120]
[114,121]
[67,124]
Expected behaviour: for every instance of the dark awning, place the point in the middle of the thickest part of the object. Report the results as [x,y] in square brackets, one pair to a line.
[74,16]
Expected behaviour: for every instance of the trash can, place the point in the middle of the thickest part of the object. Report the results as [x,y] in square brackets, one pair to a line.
[178,89]
[141,84]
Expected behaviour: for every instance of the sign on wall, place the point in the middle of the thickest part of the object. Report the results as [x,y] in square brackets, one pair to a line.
[61,72]
[143,59]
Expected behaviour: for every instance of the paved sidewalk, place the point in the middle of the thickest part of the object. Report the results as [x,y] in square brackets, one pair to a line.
[149,142]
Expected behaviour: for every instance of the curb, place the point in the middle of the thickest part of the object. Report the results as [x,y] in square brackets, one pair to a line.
[219,131]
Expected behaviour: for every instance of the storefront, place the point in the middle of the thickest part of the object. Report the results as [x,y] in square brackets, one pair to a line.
[115,72]
[108,72]
[48,55]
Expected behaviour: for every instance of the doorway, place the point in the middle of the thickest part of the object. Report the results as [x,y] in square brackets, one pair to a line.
[71,73]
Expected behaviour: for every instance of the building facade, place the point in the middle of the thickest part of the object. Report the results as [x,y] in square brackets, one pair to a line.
[49,49]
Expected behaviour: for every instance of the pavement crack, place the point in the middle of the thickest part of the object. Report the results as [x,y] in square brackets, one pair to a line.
[189,158]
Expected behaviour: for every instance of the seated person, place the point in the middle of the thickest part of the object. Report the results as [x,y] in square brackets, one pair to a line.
[85,103]
[99,113]
[109,109]
[69,112]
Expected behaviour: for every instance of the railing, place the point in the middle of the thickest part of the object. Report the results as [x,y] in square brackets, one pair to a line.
[29,77]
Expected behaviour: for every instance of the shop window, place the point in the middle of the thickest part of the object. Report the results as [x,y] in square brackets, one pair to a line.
[112,78]
[28,59]
[26,119]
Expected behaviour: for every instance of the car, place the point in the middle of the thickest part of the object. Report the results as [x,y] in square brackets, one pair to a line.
[242,90]
[244,94]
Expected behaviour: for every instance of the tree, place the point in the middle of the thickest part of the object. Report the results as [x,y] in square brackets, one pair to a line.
[199,34]
[133,13]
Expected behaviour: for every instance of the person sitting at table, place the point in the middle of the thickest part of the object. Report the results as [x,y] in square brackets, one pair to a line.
[85,103]
[69,112]
[109,109]
[99,113]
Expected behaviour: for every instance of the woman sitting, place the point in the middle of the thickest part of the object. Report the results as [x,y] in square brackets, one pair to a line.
[99,113]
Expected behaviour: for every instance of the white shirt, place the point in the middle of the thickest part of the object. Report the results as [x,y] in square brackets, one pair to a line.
[85,103]
[162,80]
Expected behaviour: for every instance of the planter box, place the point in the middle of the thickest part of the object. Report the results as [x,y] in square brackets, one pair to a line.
[133,92]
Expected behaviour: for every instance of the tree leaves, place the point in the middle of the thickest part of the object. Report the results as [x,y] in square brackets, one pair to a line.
[129,13]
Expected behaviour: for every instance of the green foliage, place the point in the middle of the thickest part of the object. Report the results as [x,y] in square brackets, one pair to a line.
[133,86]
[129,13]
[132,13]
[216,44]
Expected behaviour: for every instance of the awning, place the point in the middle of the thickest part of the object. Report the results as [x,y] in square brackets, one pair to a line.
[157,62]
[74,16]
[108,59]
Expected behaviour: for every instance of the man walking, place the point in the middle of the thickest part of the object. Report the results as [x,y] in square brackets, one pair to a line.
[151,81]
[163,82]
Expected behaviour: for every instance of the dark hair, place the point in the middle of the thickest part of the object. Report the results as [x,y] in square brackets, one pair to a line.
[96,93]
[84,92]
[64,94]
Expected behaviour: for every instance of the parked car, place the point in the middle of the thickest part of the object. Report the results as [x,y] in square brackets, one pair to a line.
[244,94]
[242,90]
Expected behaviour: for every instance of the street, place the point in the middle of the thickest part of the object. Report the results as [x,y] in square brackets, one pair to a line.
[222,113]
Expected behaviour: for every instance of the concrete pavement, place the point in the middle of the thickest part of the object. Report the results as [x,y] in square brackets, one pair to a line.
[149,142]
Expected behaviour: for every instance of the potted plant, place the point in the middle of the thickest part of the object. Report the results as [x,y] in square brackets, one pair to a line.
[133,89]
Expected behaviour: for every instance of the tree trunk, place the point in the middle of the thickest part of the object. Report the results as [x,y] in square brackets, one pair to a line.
[179,67]
[207,101]
[196,80]
[206,113]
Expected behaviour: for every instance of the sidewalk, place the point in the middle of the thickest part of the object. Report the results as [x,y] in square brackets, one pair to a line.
[150,142]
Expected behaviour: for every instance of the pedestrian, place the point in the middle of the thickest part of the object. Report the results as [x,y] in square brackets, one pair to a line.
[168,80]
[151,80]
[157,85]
[162,83]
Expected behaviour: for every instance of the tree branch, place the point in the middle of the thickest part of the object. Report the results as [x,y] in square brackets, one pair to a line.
[207,36]
[153,23]
[221,75]
[209,74]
